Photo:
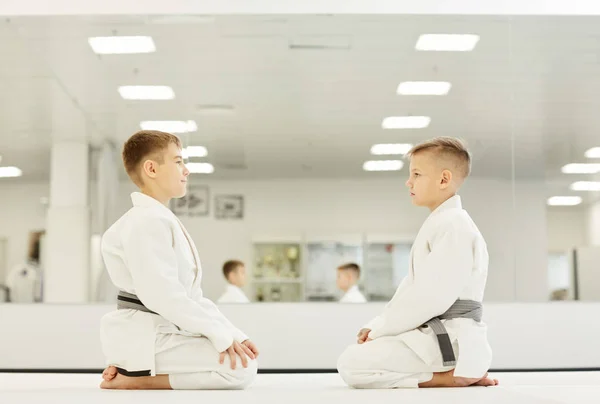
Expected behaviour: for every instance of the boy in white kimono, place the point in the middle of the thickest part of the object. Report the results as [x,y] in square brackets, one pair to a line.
[164,333]
[234,272]
[347,281]
[431,334]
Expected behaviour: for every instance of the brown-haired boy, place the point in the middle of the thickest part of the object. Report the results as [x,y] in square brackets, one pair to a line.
[164,333]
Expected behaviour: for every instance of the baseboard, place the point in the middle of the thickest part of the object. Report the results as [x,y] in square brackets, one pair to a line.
[291,371]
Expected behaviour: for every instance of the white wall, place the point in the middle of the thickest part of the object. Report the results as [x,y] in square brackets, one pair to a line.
[567,228]
[21,212]
[593,221]
[516,233]
[522,336]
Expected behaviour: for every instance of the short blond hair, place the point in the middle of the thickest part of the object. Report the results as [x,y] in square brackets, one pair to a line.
[142,145]
[447,147]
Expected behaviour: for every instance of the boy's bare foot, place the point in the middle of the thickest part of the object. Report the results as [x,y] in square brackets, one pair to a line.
[113,380]
[447,379]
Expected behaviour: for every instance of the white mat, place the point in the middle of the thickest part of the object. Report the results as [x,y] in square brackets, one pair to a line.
[515,388]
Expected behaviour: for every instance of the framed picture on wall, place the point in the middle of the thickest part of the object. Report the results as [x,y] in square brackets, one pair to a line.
[194,203]
[229,206]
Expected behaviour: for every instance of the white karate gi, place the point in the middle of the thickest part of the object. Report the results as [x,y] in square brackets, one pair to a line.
[353,295]
[233,294]
[149,253]
[448,261]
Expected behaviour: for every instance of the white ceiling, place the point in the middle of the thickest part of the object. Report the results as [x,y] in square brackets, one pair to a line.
[526,99]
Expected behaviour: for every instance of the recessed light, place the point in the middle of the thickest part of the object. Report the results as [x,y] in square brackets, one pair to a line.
[116,45]
[564,201]
[170,126]
[146,92]
[585,186]
[195,151]
[447,42]
[383,165]
[10,172]
[388,149]
[593,153]
[200,168]
[406,122]
[581,168]
[424,88]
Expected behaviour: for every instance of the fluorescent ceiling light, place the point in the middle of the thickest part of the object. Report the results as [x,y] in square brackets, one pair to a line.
[424,88]
[586,186]
[447,42]
[10,172]
[194,151]
[406,122]
[593,153]
[170,126]
[564,201]
[383,165]
[388,149]
[581,168]
[122,44]
[147,92]
[200,168]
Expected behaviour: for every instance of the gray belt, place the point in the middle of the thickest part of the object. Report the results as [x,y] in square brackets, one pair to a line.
[129,301]
[460,309]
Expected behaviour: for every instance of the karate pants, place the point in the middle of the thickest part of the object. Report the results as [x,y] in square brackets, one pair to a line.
[192,363]
[386,363]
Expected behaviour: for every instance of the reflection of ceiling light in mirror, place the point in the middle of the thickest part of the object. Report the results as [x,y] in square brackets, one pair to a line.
[405,122]
[200,168]
[447,42]
[388,149]
[564,201]
[383,165]
[117,45]
[585,186]
[10,172]
[593,153]
[581,168]
[170,126]
[146,92]
[194,151]
[424,88]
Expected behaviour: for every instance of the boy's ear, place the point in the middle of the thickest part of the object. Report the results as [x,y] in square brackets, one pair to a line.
[445,178]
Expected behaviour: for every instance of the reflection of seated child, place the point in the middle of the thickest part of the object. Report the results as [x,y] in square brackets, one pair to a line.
[347,279]
[235,274]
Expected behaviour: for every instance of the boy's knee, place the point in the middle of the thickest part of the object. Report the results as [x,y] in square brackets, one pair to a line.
[244,377]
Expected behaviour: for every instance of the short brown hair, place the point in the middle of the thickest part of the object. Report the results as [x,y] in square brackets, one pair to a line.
[144,144]
[450,147]
[351,266]
[230,266]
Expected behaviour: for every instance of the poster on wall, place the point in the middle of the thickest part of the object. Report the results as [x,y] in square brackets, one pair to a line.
[193,204]
[229,207]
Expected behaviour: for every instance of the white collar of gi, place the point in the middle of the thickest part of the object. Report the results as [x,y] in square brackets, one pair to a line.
[145,201]
[453,203]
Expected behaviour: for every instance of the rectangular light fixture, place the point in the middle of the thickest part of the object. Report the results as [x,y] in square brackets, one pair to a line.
[576,168]
[170,126]
[146,92]
[10,172]
[200,168]
[389,149]
[383,165]
[118,45]
[564,201]
[424,88]
[585,186]
[593,153]
[447,42]
[405,122]
[194,151]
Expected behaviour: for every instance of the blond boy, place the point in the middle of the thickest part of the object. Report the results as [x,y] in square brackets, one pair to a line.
[164,334]
[431,334]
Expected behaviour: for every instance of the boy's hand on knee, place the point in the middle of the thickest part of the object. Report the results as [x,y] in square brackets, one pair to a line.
[251,346]
[363,335]
[237,349]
